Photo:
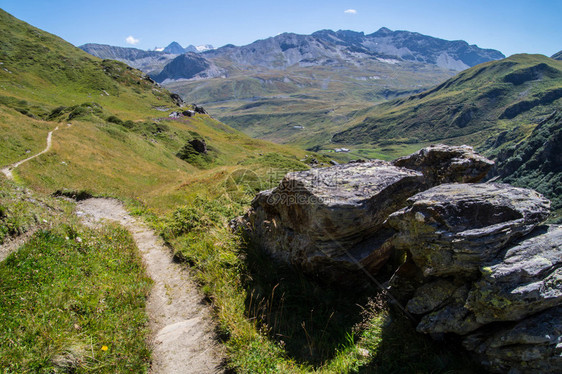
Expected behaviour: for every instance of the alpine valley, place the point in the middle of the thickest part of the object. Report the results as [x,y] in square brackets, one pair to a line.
[279,207]
[299,89]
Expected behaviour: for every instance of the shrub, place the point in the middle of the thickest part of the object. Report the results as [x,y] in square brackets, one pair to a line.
[115,119]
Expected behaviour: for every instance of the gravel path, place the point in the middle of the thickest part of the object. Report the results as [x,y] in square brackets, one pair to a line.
[182,332]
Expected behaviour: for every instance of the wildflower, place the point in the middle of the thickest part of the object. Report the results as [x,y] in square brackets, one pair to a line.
[104,348]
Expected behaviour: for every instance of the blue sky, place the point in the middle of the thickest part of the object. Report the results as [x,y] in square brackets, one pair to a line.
[511,26]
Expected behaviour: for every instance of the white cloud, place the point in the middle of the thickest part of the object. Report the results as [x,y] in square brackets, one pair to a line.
[350,11]
[131,40]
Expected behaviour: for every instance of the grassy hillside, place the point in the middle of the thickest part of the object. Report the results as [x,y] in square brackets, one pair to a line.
[84,298]
[470,108]
[533,162]
[114,136]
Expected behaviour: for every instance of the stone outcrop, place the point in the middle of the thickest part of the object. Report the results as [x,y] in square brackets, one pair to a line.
[525,280]
[478,259]
[177,99]
[452,228]
[480,264]
[447,164]
[532,345]
[329,222]
[199,145]
[199,109]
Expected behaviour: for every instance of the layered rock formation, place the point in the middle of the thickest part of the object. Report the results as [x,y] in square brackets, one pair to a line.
[479,264]
[330,222]
[445,164]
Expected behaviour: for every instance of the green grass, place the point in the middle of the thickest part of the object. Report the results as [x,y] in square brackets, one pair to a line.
[22,210]
[73,300]
[21,136]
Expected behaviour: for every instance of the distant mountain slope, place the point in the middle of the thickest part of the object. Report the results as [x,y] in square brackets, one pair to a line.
[327,47]
[185,66]
[557,56]
[297,89]
[150,62]
[469,108]
[534,162]
[175,48]
[324,47]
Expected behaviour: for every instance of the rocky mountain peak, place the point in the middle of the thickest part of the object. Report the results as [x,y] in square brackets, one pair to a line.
[383,31]
[174,48]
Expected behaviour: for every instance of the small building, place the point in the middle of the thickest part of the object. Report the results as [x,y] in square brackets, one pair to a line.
[338,150]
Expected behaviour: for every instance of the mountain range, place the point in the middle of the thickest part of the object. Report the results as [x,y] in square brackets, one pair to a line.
[325,47]
[295,88]
[176,49]
[150,62]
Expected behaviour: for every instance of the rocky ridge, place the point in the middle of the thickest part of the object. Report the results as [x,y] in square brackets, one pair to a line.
[480,263]
[150,62]
[325,47]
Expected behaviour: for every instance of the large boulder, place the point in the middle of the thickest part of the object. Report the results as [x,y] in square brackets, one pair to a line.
[533,345]
[447,164]
[451,229]
[329,221]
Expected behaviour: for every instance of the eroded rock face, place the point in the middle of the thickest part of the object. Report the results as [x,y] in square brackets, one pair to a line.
[447,164]
[523,283]
[328,220]
[525,280]
[533,345]
[451,229]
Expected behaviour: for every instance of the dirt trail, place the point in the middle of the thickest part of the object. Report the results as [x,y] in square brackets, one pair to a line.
[182,332]
[12,244]
[8,169]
